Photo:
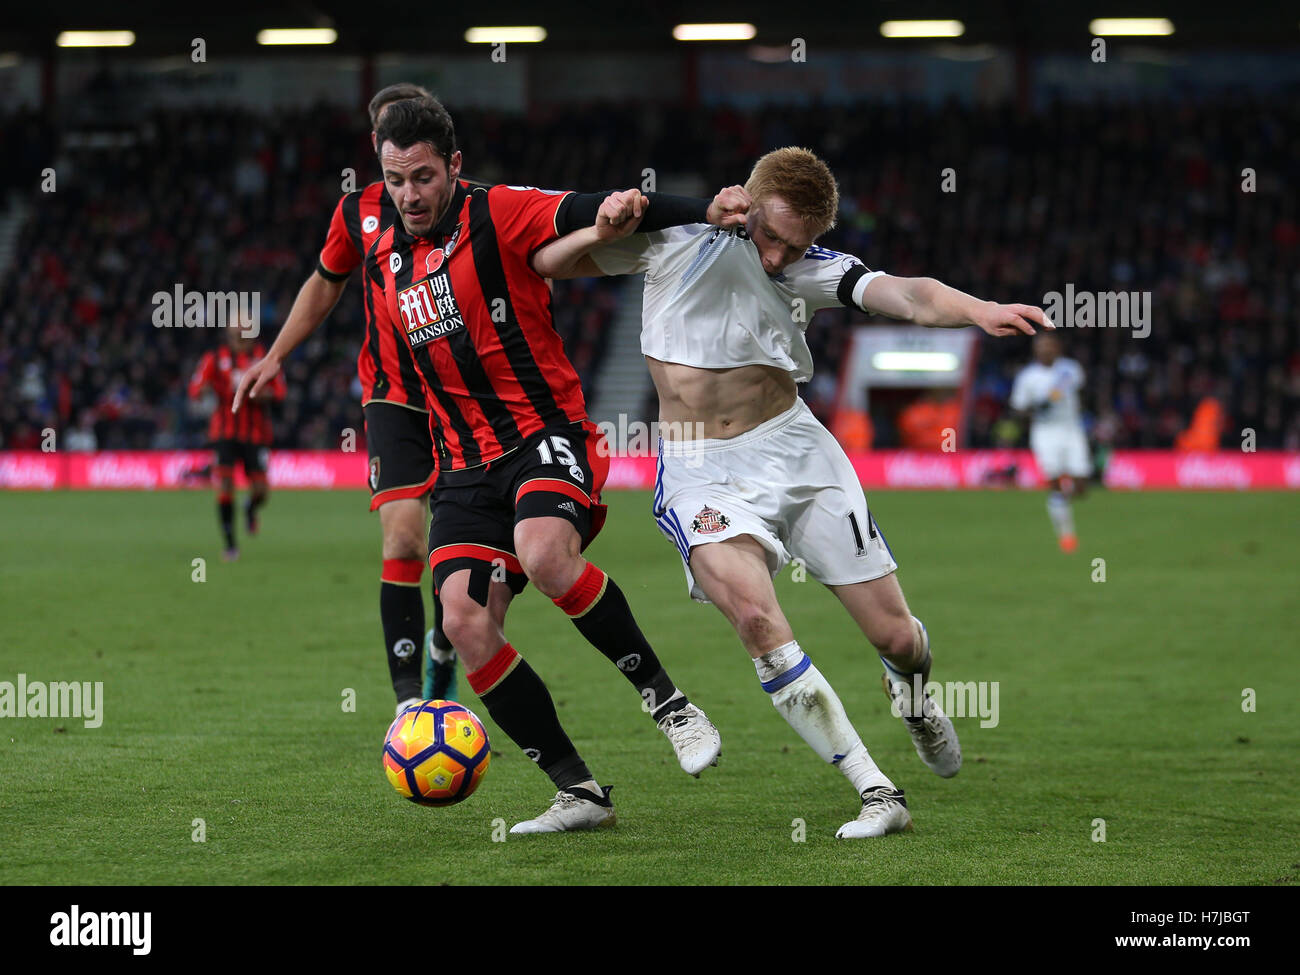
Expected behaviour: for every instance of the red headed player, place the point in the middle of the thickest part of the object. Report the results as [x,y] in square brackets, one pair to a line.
[402,461]
[236,437]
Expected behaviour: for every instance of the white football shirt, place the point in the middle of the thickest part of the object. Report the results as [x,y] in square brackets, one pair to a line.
[1033,389]
[708,302]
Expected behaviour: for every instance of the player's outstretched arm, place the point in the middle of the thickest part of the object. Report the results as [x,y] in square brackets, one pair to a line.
[617,216]
[926,301]
[316,299]
[622,214]
[727,209]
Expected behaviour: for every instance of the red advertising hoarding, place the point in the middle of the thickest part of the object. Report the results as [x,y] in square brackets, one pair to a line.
[323,469]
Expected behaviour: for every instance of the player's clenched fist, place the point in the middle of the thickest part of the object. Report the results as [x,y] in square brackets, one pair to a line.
[620,213]
[729,207]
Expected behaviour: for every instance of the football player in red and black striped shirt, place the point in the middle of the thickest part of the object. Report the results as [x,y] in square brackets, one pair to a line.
[236,437]
[402,461]
[521,466]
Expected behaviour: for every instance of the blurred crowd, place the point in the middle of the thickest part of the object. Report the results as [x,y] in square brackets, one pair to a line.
[1138,197]
[212,201]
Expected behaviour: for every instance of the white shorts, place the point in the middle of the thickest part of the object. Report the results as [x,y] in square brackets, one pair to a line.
[1060,451]
[788,484]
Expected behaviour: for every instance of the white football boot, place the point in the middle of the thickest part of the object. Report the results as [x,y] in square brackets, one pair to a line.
[573,808]
[884,811]
[933,734]
[694,739]
[408,703]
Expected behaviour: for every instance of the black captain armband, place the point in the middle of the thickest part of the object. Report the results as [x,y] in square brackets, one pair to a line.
[329,275]
[847,283]
[578,210]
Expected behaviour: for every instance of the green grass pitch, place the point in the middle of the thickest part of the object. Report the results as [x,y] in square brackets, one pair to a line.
[1119,700]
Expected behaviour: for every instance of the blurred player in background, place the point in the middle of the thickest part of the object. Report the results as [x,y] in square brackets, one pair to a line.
[243,438]
[1048,390]
[521,465]
[403,465]
[748,478]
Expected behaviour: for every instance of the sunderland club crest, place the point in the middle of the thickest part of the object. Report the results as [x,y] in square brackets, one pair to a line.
[709,521]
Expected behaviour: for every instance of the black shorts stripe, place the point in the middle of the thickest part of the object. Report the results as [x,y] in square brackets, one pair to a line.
[492,283]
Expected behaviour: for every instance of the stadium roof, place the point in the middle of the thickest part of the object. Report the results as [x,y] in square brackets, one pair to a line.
[635,25]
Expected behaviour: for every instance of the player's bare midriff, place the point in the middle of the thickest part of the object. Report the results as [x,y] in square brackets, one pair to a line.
[715,404]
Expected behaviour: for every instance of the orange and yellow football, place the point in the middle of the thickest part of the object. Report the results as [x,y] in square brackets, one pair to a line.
[436,753]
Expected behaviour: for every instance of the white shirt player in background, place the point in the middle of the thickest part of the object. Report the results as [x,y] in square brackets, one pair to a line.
[748,479]
[1048,390]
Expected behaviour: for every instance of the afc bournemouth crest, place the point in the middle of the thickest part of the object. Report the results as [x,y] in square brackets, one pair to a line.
[437,257]
[374,473]
[709,521]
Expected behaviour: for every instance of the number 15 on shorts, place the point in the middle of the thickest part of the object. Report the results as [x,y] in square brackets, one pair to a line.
[557,450]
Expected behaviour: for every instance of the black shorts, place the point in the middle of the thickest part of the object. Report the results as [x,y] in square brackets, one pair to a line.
[555,473]
[402,461]
[251,455]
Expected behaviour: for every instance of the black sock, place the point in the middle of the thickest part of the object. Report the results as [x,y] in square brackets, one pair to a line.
[600,611]
[520,703]
[440,641]
[226,510]
[401,610]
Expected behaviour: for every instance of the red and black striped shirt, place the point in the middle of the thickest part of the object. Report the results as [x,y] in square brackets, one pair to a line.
[221,369]
[384,364]
[477,320]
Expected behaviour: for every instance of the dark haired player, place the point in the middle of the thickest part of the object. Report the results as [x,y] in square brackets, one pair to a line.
[518,491]
[236,439]
[402,462]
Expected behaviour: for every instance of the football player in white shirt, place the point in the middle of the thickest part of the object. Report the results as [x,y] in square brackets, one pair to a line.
[748,479]
[1048,390]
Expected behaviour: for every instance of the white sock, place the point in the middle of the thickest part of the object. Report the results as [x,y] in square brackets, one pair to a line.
[812,708]
[913,681]
[860,769]
[441,656]
[1058,509]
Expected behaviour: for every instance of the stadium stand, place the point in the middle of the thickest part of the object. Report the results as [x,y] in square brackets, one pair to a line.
[1140,196]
